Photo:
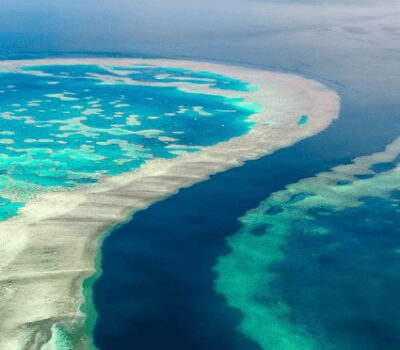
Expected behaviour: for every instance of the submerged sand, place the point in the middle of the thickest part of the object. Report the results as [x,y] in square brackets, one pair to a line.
[50,247]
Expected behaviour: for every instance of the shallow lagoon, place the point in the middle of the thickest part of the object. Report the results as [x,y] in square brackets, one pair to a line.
[63,126]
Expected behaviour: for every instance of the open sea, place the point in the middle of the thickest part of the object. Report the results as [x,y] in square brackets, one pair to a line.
[200,270]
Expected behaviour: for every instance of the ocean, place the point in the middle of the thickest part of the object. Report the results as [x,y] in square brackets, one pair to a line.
[159,283]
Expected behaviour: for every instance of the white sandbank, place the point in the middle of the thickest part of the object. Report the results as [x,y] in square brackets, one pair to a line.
[49,249]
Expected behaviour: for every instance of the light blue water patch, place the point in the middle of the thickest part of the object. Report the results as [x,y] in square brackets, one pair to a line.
[68,71]
[298,197]
[8,208]
[179,75]
[343,183]
[68,126]
[146,73]
[303,120]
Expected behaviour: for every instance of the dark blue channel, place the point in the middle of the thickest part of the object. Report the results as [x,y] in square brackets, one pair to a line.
[156,289]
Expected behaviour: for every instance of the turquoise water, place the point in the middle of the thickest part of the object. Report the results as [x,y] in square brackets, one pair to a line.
[67,125]
[303,120]
[8,208]
[176,75]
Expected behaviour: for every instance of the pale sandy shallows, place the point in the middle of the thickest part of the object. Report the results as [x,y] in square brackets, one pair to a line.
[49,249]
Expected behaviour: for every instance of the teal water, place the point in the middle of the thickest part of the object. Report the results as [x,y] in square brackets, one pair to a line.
[303,120]
[8,208]
[67,125]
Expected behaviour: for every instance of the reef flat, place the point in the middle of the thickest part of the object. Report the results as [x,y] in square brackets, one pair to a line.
[309,264]
[51,233]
